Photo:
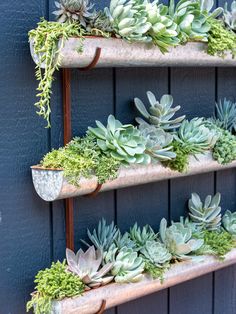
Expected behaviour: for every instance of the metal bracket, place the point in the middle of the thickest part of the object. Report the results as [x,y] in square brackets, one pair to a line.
[94,62]
[95,192]
[103,307]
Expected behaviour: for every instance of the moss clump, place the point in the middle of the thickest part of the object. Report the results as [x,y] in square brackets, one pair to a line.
[54,283]
[220,40]
[180,163]
[154,271]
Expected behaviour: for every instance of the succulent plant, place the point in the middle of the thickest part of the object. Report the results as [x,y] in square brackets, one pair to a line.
[164,30]
[196,136]
[192,18]
[122,142]
[225,116]
[86,265]
[141,235]
[158,144]
[100,22]
[124,240]
[160,113]
[224,150]
[129,20]
[178,240]
[103,236]
[229,222]
[127,266]
[74,11]
[229,17]
[206,215]
[156,253]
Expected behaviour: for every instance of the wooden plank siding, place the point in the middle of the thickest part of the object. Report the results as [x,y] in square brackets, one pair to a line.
[32,232]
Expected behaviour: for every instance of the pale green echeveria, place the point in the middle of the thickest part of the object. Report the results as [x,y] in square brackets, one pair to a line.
[160,113]
[229,222]
[140,236]
[164,30]
[158,144]
[195,136]
[207,214]
[192,18]
[122,142]
[103,237]
[156,253]
[178,240]
[129,20]
[127,265]
[88,266]
[124,240]
[229,17]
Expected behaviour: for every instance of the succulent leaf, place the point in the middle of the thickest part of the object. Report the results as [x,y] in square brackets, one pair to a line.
[156,253]
[141,235]
[229,17]
[229,222]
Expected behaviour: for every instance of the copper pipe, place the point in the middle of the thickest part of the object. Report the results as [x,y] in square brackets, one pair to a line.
[69,205]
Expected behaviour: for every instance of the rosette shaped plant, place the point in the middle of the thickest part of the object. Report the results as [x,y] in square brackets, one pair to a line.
[103,237]
[156,253]
[195,136]
[164,30]
[229,222]
[229,17]
[160,113]
[225,116]
[127,266]
[178,240]
[124,240]
[122,142]
[129,20]
[158,144]
[206,215]
[87,265]
[140,236]
[192,18]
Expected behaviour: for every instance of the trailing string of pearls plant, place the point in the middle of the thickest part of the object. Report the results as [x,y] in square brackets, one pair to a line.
[159,137]
[125,258]
[134,21]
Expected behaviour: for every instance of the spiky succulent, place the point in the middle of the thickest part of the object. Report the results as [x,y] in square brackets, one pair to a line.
[178,240]
[224,150]
[160,113]
[196,136]
[225,116]
[74,11]
[163,29]
[129,20]
[103,236]
[124,240]
[156,253]
[122,142]
[87,265]
[206,215]
[229,222]
[127,266]
[229,17]
[158,144]
[100,22]
[140,236]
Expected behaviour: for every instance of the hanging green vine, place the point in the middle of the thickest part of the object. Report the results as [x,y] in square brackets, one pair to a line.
[48,40]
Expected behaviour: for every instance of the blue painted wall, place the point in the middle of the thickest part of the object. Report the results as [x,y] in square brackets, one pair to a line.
[32,232]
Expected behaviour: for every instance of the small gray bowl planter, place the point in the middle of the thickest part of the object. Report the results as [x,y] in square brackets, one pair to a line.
[119,53]
[115,294]
[51,185]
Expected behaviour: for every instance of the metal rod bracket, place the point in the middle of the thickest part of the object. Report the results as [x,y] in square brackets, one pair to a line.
[94,62]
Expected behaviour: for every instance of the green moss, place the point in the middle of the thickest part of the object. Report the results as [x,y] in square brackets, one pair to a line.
[54,283]
[220,40]
[154,271]
[82,157]
[180,163]
[224,150]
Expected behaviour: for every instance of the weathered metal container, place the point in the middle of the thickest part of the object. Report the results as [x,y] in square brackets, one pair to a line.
[119,53]
[51,184]
[115,294]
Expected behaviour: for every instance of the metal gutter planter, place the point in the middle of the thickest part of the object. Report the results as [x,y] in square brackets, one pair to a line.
[119,53]
[115,294]
[51,185]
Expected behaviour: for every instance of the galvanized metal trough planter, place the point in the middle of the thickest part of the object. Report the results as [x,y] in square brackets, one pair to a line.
[119,53]
[51,185]
[115,294]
